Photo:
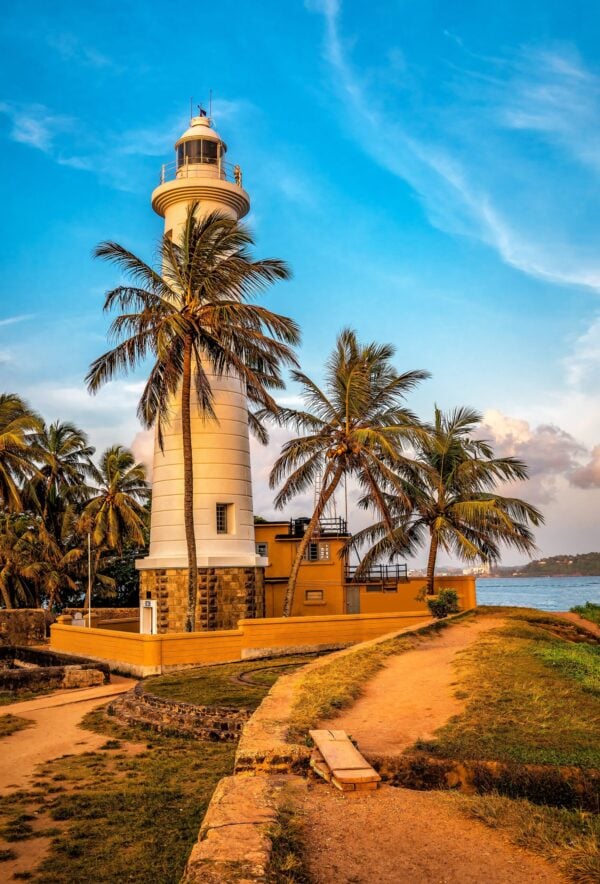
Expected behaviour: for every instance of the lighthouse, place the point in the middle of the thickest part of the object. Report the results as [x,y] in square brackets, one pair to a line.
[230,573]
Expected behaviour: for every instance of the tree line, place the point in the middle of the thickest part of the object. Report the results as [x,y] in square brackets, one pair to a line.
[431,484]
[65,517]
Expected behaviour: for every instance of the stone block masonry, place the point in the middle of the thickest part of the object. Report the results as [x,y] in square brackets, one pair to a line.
[225,595]
[23,626]
[213,723]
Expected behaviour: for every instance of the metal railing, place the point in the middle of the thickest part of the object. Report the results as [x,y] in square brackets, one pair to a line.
[225,171]
[384,574]
[326,528]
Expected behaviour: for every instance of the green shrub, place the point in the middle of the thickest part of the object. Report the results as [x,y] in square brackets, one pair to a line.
[589,611]
[444,603]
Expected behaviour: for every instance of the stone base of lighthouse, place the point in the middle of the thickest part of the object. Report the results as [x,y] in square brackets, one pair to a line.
[225,595]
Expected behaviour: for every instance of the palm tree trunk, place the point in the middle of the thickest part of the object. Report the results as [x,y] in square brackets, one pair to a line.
[431,564]
[188,488]
[326,493]
[5,597]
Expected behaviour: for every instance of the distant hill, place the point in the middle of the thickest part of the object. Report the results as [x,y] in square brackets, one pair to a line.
[585,564]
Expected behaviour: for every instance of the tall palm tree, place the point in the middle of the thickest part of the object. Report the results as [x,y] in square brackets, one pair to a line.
[18,425]
[450,502]
[116,514]
[192,319]
[356,425]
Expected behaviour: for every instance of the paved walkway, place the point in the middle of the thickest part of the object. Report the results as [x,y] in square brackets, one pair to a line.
[56,730]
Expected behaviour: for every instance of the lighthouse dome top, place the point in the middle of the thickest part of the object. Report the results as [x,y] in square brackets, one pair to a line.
[201,128]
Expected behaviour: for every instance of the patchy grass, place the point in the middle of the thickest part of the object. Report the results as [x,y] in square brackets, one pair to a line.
[287,864]
[118,815]
[242,685]
[10,724]
[339,683]
[529,694]
[568,838]
[9,697]
[589,611]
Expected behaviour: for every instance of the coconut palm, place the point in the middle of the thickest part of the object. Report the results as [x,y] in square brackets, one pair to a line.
[355,425]
[193,319]
[18,424]
[65,467]
[450,502]
[116,514]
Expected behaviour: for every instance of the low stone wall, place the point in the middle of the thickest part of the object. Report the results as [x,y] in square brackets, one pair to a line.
[214,723]
[31,669]
[23,626]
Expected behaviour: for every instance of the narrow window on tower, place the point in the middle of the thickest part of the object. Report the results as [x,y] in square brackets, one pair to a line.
[222,527]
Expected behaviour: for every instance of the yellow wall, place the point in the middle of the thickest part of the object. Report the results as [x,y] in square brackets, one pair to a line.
[151,654]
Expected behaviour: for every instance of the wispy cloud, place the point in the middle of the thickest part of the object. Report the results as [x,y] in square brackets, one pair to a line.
[12,320]
[35,125]
[70,48]
[469,157]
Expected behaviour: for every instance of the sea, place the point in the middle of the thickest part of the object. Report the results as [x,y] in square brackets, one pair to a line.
[545,593]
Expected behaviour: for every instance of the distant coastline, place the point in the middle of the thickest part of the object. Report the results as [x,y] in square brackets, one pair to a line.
[580,565]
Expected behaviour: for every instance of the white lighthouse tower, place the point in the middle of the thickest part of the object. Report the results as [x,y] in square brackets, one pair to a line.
[230,582]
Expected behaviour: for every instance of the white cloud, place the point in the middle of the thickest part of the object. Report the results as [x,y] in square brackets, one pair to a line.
[12,320]
[549,452]
[35,125]
[472,175]
[71,49]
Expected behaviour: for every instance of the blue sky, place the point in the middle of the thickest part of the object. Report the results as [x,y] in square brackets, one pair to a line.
[429,170]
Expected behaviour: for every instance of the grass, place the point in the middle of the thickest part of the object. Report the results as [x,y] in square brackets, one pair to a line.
[10,724]
[219,685]
[287,864]
[9,697]
[339,683]
[118,816]
[531,688]
[589,611]
[568,838]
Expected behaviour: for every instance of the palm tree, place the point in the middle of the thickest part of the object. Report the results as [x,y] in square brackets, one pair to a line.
[450,502]
[193,319]
[18,424]
[356,425]
[65,467]
[116,514]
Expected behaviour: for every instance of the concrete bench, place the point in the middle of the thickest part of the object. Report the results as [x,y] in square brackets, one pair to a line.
[339,762]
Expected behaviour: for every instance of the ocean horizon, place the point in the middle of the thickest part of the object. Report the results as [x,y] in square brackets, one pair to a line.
[544,593]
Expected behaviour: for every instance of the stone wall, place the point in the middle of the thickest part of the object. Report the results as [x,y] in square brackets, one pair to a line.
[215,723]
[23,626]
[32,669]
[225,595]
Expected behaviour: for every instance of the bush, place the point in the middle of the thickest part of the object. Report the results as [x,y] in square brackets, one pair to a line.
[444,603]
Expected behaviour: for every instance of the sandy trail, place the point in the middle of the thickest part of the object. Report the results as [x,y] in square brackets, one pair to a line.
[400,836]
[56,731]
[413,695]
[397,836]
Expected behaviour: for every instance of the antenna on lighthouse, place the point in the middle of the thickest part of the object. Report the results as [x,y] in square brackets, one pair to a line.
[210,103]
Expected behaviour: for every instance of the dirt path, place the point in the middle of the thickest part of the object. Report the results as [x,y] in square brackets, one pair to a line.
[397,836]
[580,621]
[400,836]
[413,695]
[55,732]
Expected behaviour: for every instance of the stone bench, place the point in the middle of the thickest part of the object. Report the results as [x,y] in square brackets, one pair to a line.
[338,761]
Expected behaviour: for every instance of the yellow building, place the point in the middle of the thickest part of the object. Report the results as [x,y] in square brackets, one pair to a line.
[327,582]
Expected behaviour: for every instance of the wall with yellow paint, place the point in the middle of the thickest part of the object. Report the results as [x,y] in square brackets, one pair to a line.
[145,655]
